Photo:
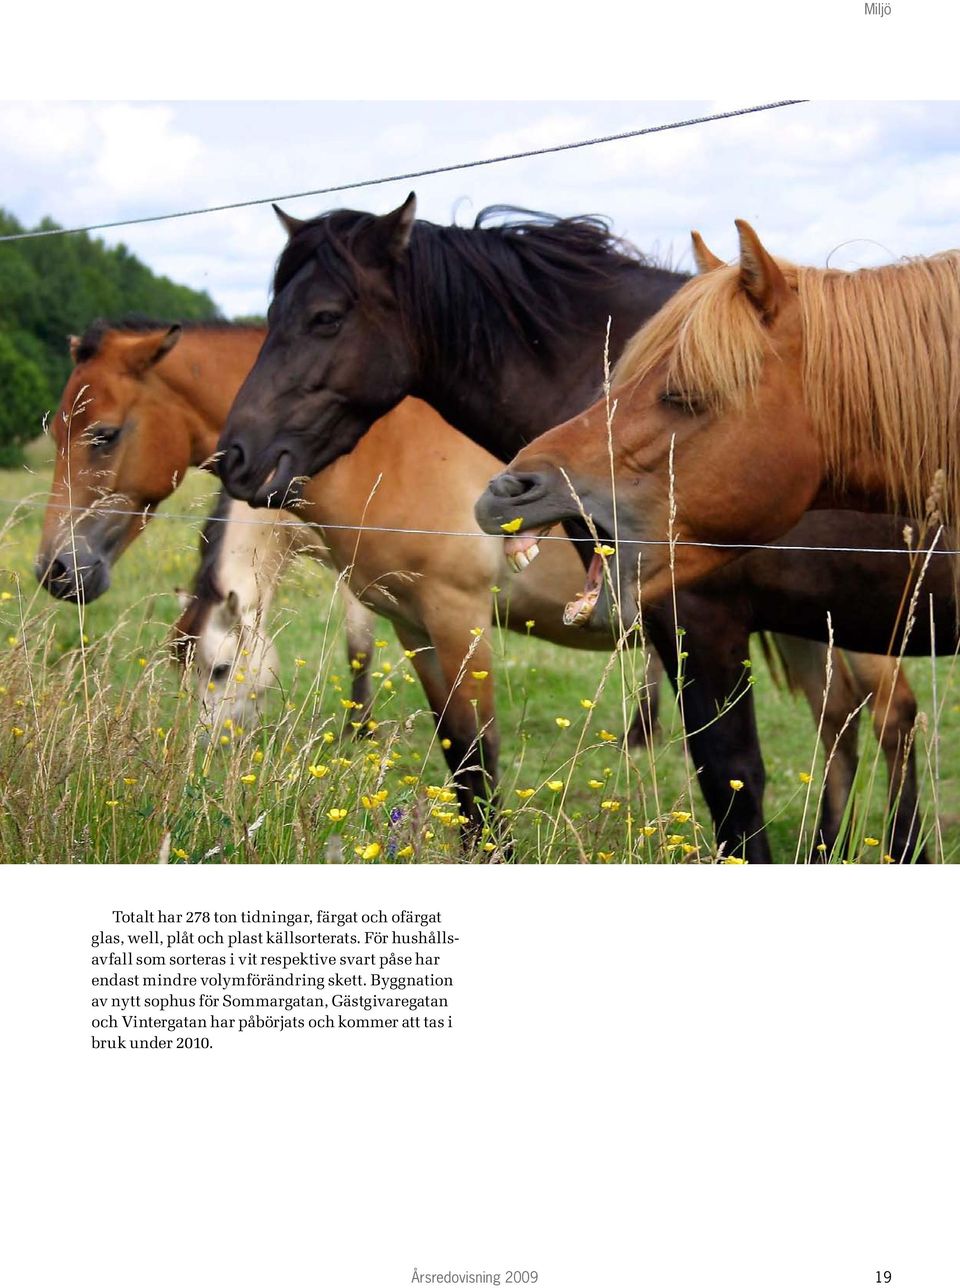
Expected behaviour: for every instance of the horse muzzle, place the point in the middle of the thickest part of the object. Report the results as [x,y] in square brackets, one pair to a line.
[273,479]
[75,574]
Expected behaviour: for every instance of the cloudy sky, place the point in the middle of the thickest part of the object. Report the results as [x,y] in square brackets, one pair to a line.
[858,182]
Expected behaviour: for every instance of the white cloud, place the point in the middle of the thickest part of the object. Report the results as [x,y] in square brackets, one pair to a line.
[810,177]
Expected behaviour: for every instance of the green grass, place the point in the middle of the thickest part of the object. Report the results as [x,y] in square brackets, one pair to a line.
[101,758]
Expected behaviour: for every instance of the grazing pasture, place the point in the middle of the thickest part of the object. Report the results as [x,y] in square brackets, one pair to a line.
[102,757]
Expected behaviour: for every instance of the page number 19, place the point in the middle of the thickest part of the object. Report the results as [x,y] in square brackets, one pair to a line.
[884,1277]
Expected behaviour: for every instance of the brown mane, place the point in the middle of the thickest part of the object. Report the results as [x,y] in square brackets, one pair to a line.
[881,372]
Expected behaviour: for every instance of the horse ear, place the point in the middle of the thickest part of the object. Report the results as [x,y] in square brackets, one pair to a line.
[760,277]
[73,343]
[290,224]
[145,351]
[703,256]
[391,233]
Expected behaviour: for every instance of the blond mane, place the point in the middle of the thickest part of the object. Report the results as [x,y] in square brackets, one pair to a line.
[881,375]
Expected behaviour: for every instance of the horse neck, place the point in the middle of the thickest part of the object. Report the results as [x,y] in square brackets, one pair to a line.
[532,390]
[203,374]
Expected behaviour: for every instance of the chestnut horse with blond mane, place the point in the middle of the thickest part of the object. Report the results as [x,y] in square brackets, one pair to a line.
[759,391]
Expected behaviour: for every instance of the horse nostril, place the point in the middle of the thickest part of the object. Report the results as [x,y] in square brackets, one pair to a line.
[233,461]
[58,570]
[509,486]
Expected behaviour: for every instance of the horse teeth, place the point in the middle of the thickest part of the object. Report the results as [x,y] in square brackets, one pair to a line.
[532,553]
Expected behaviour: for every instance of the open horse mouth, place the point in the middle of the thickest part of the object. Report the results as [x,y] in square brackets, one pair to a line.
[521,551]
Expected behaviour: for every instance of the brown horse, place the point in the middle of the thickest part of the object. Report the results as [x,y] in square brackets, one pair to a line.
[145,402]
[758,391]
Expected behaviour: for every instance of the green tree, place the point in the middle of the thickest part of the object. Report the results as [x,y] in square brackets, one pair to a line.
[22,395]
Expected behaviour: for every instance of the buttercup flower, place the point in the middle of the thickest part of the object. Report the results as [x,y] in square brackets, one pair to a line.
[336,814]
[514,525]
[318,771]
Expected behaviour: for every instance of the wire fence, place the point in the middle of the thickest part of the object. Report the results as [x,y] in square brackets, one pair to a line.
[149,515]
[410,174]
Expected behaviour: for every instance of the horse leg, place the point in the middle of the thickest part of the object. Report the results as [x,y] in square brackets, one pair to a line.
[460,692]
[805,665]
[360,634]
[725,748]
[893,707]
[646,723]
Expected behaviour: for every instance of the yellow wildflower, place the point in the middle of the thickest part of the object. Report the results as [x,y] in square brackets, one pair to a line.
[405,853]
[514,525]
[479,675]
[555,784]
[561,722]
[870,840]
[587,704]
[606,736]
[336,814]
[804,778]
[612,806]
[736,784]
[369,852]
[318,771]
[525,792]
[248,778]
[299,661]
[595,783]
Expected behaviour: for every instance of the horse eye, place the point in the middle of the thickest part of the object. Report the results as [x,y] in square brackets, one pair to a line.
[105,436]
[326,321]
[680,401]
[220,672]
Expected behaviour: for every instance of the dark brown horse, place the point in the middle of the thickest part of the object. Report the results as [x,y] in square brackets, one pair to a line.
[502,329]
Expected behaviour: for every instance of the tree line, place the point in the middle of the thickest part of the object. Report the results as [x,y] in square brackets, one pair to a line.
[52,287]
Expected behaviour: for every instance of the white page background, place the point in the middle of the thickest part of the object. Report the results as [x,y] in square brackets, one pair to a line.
[673,1078]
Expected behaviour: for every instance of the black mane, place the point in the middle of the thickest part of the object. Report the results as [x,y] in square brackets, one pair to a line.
[138,324]
[463,292]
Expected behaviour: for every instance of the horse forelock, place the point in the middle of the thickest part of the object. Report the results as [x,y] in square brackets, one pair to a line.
[708,338]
